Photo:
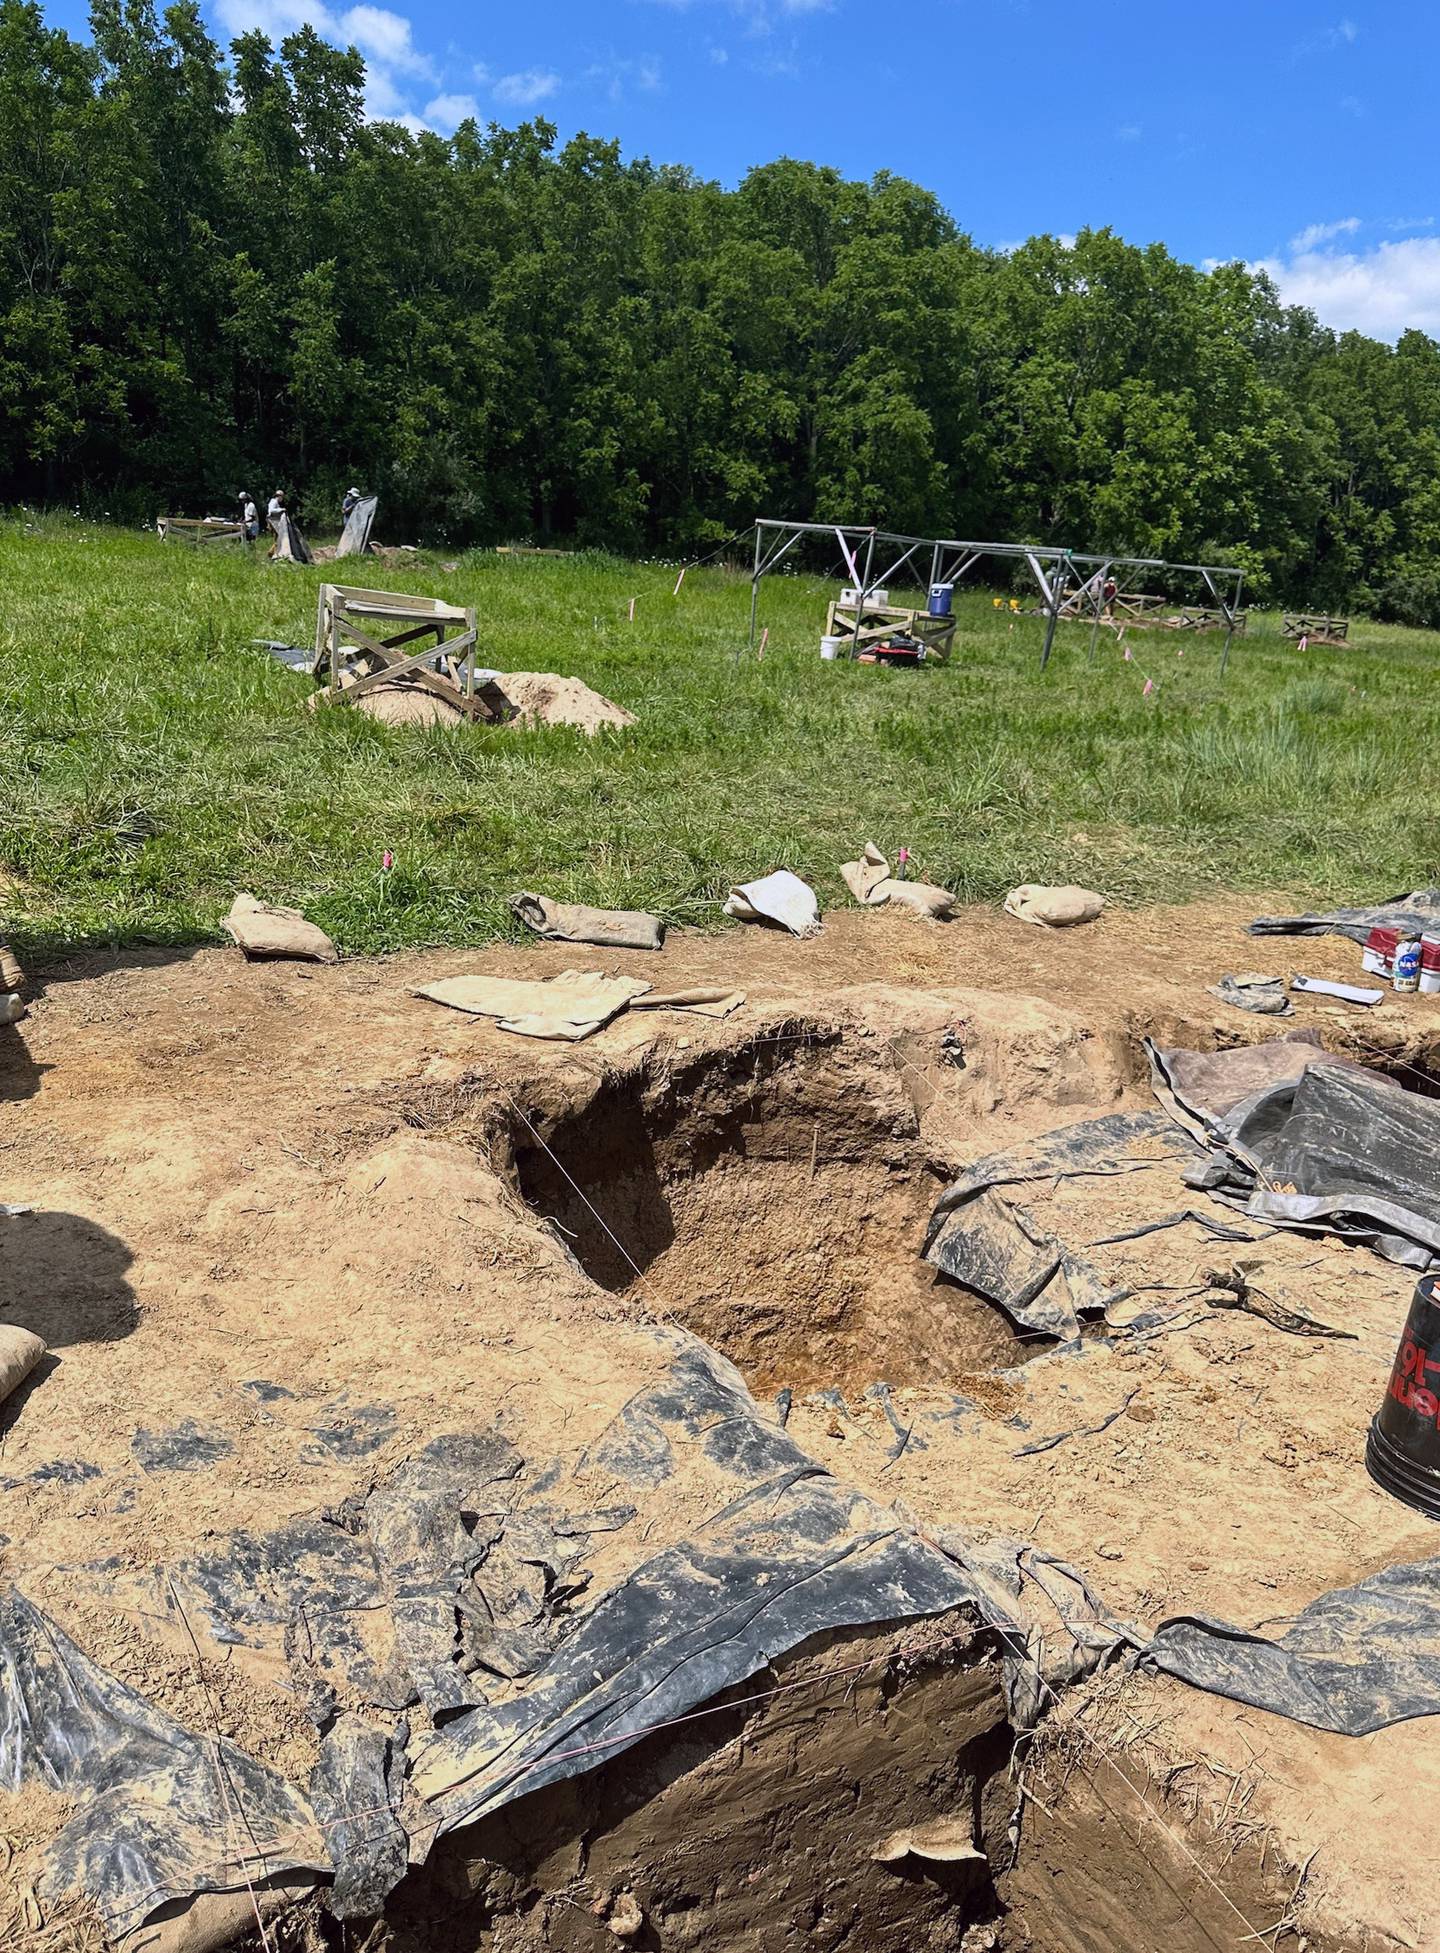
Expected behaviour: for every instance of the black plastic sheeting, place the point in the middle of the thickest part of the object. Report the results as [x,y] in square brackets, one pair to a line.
[451,1578]
[1354,1661]
[1326,1146]
[1054,1628]
[792,1557]
[1417,911]
[992,1244]
[158,1809]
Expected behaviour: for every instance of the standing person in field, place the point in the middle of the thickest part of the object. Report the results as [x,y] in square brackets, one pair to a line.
[1111,592]
[347,508]
[276,510]
[249,517]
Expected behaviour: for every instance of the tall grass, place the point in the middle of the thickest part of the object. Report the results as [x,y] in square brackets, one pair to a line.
[152,760]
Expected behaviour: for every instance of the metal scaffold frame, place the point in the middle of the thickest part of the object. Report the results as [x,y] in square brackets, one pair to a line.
[951,561]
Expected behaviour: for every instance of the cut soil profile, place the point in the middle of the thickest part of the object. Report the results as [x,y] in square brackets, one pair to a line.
[772,1197]
[277,1204]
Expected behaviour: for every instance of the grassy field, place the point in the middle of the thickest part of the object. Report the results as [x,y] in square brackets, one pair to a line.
[152,761]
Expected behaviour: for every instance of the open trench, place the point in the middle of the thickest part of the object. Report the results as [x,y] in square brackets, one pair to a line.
[771,1196]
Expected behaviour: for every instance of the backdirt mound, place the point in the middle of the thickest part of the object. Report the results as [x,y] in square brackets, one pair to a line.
[544,698]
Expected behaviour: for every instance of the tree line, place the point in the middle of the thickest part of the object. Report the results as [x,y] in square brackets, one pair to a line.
[215,274]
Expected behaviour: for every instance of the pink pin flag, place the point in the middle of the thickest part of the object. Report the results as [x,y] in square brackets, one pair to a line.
[1305,642]
[1149,688]
[1127,654]
[387,862]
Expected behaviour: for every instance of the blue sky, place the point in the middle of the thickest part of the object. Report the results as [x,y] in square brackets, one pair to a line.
[1290,132]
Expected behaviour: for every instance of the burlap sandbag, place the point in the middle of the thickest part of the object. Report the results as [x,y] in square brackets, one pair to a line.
[869,880]
[574,922]
[263,929]
[867,876]
[20,1351]
[1053,908]
[570,1006]
[924,897]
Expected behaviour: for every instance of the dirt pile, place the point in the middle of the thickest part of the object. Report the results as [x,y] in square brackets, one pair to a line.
[408,705]
[531,698]
[544,698]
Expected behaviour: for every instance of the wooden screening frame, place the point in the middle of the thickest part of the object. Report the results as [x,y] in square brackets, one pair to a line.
[862,628]
[198,529]
[378,628]
[1315,624]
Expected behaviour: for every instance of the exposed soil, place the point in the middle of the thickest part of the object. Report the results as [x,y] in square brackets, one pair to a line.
[311,1178]
[772,1197]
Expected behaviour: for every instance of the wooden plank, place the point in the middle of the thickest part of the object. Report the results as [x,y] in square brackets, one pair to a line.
[395,602]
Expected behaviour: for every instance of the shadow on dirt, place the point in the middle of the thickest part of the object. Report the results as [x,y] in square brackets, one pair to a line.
[65,1278]
[19,1074]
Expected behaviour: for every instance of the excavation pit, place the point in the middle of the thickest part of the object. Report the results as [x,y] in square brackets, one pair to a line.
[773,1198]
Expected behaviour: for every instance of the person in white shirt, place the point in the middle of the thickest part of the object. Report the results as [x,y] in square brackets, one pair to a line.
[276,509]
[249,516]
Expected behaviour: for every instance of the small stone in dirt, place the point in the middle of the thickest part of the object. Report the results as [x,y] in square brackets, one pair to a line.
[626,1918]
[1141,1413]
[1108,1552]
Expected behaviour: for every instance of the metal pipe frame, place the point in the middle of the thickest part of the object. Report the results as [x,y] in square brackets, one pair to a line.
[951,560]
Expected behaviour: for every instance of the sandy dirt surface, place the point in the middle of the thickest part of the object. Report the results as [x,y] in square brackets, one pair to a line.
[268,1198]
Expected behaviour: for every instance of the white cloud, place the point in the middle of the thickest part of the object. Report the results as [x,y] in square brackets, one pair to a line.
[719,55]
[447,112]
[617,77]
[1129,132]
[384,37]
[1409,223]
[1383,291]
[1352,105]
[1314,234]
[524,89]
[1329,39]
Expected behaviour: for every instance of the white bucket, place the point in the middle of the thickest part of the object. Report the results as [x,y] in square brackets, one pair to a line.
[829,649]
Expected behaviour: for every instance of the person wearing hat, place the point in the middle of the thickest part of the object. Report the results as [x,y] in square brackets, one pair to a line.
[276,509]
[249,516]
[348,506]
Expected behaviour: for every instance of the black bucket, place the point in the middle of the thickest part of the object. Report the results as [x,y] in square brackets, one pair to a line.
[1402,1452]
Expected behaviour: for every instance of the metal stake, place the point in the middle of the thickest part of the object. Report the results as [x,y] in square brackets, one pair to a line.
[1235,605]
[1100,581]
[755,587]
[1057,585]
